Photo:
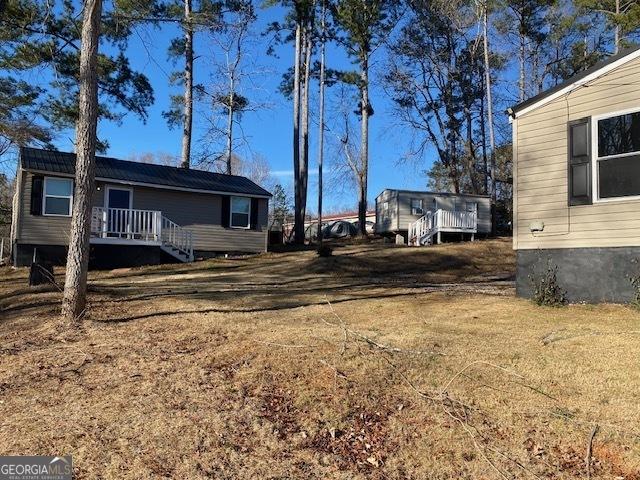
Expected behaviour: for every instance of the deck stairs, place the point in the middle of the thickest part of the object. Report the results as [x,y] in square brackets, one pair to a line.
[176,240]
[428,228]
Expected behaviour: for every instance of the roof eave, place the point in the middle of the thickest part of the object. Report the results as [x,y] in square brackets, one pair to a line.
[575,82]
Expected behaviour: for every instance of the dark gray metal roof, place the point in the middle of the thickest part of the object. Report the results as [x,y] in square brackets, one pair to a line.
[136,172]
[441,194]
[575,78]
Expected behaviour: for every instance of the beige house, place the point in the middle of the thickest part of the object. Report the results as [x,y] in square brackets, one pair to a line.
[141,213]
[576,151]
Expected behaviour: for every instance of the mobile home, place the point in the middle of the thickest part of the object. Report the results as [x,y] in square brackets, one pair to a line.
[425,217]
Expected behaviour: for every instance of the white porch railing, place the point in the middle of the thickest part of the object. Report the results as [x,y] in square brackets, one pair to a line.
[421,231]
[126,223]
[177,237]
[466,221]
[142,225]
[420,228]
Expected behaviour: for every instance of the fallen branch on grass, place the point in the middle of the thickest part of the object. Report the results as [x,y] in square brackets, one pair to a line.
[589,450]
[285,345]
[346,331]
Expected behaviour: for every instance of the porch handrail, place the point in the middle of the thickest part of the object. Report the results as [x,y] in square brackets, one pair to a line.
[126,223]
[441,220]
[177,237]
[457,220]
[420,228]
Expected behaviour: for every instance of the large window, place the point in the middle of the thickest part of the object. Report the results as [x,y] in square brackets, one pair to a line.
[240,212]
[618,156]
[416,206]
[58,195]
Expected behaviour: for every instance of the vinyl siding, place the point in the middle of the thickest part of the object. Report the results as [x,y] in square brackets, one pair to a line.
[198,212]
[202,214]
[39,229]
[389,222]
[540,176]
[445,202]
[400,208]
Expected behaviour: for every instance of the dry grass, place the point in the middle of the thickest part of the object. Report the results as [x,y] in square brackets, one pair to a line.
[241,369]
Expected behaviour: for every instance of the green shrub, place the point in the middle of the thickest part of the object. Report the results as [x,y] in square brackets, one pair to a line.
[546,291]
[635,283]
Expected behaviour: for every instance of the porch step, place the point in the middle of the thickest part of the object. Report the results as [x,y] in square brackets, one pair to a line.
[177,253]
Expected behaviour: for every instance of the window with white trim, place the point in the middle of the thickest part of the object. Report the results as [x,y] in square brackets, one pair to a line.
[57,196]
[617,159]
[416,206]
[240,212]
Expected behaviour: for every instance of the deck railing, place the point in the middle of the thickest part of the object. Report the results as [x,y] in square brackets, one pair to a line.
[141,225]
[423,229]
[126,223]
[176,236]
[420,228]
[450,220]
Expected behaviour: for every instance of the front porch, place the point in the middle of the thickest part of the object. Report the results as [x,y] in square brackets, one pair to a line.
[432,224]
[127,226]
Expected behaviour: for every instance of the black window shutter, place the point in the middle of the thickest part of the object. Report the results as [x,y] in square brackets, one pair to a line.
[579,162]
[226,210]
[37,184]
[254,214]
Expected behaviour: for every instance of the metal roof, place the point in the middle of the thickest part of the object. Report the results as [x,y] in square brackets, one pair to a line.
[141,173]
[575,79]
[441,194]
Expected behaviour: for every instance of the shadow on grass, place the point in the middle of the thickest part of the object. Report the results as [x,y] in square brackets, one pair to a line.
[271,308]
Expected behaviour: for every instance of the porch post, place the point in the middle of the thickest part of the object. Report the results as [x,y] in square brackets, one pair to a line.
[158,226]
[104,223]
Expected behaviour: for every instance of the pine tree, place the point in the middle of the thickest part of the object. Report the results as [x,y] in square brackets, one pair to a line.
[75,288]
[34,36]
[206,15]
[366,25]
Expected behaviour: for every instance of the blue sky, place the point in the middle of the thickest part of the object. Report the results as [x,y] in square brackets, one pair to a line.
[267,130]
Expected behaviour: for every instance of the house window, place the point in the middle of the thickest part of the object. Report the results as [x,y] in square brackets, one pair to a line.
[416,206]
[240,212]
[58,196]
[618,156]
[385,209]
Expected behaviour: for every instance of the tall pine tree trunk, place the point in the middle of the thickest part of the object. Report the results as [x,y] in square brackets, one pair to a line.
[75,288]
[521,59]
[188,86]
[492,142]
[483,133]
[298,227]
[616,39]
[321,121]
[364,144]
[306,87]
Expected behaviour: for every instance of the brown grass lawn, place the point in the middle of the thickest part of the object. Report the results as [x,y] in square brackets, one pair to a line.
[380,362]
